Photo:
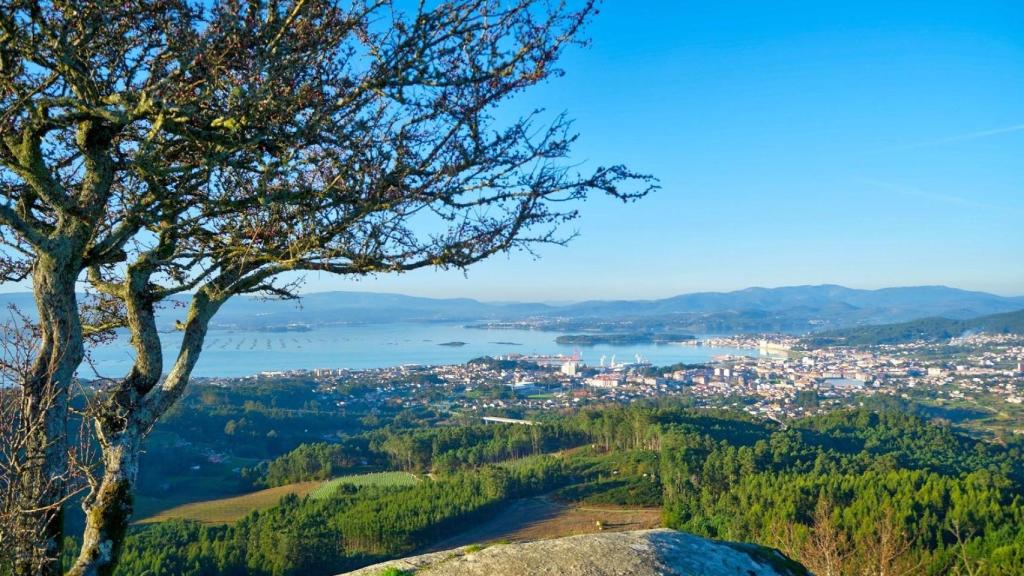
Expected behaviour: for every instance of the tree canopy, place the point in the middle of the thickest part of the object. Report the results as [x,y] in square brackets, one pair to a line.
[164,147]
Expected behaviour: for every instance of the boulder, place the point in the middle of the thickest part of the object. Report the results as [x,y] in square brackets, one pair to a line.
[639,553]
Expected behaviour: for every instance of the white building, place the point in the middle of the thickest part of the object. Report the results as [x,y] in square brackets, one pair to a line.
[571,368]
[606,380]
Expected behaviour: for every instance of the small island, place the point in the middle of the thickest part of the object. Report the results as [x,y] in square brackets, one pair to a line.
[455,343]
[623,339]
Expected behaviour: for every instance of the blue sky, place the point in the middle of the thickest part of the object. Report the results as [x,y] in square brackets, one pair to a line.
[869,144]
[864,143]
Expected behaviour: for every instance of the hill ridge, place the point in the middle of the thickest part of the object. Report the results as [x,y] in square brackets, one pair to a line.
[796,309]
[928,329]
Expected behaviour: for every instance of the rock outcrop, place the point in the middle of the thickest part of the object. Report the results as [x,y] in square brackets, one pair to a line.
[640,553]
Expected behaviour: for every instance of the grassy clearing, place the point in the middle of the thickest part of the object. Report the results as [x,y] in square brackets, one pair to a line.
[225,510]
[230,509]
[579,520]
[543,518]
[526,461]
[373,479]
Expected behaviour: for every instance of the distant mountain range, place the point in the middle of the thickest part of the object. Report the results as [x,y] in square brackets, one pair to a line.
[790,309]
[830,301]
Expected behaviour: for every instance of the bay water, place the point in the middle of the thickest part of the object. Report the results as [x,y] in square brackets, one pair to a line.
[232,353]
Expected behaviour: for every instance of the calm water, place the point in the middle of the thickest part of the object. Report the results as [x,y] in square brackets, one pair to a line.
[240,353]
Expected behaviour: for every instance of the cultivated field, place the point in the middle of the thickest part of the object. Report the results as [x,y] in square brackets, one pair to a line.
[225,510]
[372,479]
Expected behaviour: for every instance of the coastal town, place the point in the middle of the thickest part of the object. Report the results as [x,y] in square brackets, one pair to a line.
[781,377]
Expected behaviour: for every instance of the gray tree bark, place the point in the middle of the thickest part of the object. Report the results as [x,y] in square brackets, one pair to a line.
[109,509]
[125,420]
[43,485]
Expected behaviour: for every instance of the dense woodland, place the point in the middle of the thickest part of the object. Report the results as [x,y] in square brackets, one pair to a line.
[854,492]
[849,493]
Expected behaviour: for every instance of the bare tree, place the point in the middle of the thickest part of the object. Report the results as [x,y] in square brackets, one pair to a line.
[787,535]
[20,479]
[165,148]
[17,345]
[888,550]
[965,562]
[827,549]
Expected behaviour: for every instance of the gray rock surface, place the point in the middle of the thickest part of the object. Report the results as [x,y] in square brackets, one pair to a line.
[641,553]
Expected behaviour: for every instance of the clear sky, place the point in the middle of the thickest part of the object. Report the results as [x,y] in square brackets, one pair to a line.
[871,143]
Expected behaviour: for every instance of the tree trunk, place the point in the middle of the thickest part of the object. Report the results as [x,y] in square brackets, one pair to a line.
[121,427]
[43,484]
[109,509]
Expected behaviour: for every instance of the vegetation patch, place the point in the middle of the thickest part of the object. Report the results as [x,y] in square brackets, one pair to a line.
[636,491]
[840,485]
[770,557]
[379,479]
[225,510]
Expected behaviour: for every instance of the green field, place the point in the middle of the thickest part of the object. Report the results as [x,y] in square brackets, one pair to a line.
[982,414]
[225,510]
[372,479]
[544,396]
[212,480]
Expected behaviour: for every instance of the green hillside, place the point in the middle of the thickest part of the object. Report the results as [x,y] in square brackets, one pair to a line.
[850,483]
[927,329]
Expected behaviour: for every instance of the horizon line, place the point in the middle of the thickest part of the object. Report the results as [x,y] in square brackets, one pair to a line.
[551,301]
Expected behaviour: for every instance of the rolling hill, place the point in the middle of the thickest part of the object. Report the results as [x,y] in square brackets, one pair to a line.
[927,329]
